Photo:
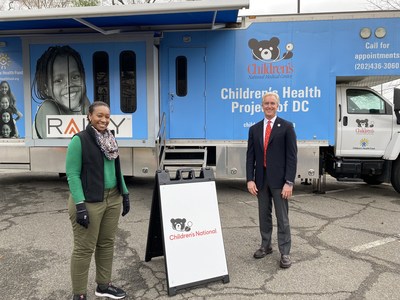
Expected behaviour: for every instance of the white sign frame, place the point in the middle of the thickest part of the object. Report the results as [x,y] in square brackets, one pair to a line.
[194,249]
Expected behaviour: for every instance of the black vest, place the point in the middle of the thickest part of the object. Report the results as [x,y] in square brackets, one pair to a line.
[92,173]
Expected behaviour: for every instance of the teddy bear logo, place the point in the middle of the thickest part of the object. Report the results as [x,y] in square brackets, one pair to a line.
[269,51]
[180,224]
[364,123]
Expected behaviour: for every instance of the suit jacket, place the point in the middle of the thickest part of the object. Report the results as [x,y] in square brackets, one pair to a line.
[281,154]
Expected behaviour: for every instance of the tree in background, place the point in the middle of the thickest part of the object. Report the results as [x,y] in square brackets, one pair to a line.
[116,2]
[38,4]
[79,3]
[35,4]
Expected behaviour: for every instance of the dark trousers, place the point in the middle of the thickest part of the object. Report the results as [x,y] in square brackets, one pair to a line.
[265,197]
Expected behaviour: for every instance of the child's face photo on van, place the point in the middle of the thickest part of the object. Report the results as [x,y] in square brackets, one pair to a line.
[6,117]
[6,131]
[66,82]
[4,103]
[4,88]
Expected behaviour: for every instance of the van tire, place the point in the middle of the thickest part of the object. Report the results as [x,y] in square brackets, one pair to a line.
[395,179]
[372,180]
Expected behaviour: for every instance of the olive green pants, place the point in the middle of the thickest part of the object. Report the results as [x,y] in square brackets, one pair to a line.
[98,237]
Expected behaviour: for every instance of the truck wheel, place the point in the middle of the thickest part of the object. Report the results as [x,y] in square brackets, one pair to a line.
[395,180]
[372,180]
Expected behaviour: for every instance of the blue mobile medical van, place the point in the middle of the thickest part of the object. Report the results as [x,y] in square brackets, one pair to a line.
[185,83]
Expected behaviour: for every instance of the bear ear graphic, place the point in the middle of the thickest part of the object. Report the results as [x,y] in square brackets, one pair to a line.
[172,221]
[274,41]
[253,43]
[184,220]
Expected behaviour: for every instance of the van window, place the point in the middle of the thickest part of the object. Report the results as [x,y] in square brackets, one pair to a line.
[101,77]
[127,79]
[181,76]
[365,102]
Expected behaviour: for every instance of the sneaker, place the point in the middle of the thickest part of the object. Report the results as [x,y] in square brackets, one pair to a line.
[110,292]
[79,297]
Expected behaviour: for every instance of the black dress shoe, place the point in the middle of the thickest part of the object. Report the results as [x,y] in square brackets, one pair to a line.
[285,261]
[262,252]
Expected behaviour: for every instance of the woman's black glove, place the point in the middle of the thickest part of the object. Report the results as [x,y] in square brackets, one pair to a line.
[126,206]
[82,215]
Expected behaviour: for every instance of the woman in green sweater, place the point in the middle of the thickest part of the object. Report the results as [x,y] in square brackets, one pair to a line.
[97,192]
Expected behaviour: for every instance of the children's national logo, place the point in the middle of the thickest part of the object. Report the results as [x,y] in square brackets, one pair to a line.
[184,230]
[267,53]
[364,126]
[269,50]
[181,225]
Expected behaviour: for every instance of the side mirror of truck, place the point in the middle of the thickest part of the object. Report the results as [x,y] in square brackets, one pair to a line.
[396,102]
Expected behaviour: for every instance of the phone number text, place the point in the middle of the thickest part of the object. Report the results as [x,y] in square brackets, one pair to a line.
[377,66]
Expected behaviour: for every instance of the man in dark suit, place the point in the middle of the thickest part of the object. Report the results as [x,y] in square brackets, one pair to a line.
[270,170]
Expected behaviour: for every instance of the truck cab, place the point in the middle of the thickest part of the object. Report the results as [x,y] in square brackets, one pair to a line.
[366,141]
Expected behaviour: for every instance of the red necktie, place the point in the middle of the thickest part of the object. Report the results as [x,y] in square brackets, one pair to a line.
[266,139]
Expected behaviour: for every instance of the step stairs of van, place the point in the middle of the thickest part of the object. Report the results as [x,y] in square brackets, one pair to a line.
[174,158]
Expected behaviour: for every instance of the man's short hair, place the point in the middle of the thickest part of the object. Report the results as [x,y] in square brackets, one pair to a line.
[271,94]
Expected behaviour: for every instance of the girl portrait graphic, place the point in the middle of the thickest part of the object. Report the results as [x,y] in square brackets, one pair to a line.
[59,86]
[7,94]
[8,108]
[7,125]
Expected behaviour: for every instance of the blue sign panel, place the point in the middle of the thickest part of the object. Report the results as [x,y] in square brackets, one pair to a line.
[67,78]
[298,60]
[11,89]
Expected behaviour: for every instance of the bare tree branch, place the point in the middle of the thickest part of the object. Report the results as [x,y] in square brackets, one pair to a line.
[121,1]
[32,4]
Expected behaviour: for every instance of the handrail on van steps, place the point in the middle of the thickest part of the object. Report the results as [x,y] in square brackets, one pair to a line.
[161,140]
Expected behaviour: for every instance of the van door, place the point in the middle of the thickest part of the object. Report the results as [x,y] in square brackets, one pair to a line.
[365,123]
[187,93]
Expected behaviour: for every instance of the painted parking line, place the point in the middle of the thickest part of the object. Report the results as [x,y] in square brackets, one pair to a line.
[374,244]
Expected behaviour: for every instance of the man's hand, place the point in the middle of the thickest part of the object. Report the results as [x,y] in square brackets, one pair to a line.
[287,191]
[252,188]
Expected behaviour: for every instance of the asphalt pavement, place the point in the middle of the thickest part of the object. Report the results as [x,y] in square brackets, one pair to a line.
[345,244]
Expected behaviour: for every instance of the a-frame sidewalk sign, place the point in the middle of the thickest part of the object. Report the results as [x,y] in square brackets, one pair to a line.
[185,227]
